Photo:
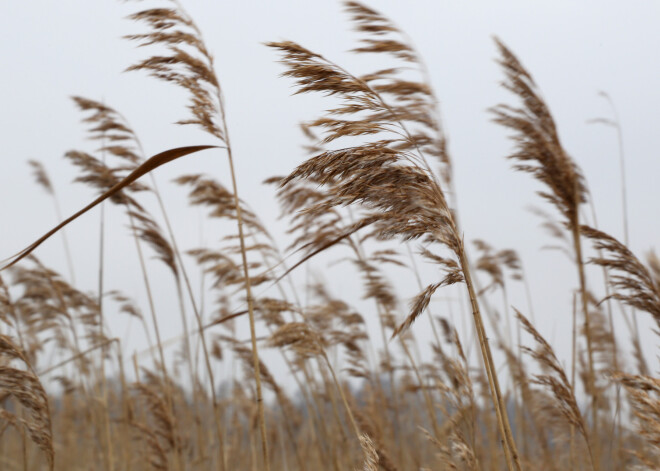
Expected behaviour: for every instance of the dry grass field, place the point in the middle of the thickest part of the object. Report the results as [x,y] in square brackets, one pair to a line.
[375,192]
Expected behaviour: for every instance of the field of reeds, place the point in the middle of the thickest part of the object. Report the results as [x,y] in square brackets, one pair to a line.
[241,353]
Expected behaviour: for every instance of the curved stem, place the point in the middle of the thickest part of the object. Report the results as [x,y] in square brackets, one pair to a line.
[590,354]
[510,451]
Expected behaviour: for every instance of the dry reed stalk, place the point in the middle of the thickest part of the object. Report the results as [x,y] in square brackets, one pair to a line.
[307,342]
[43,287]
[633,284]
[348,85]
[616,124]
[103,403]
[320,242]
[539,152]
[25,387]
[375,284]
[111,126]
[47,297]
[287,408]
[588,330]
[269,250]
[250,300]
[190,66]
[644,393]
[381,36]
[390,180]
[377,288]
[382,293]
[495,264]
[557,383]
[42,178]
[107,124]
[208,192]
[614,343]
[225,272]
[573,370]
[378,453]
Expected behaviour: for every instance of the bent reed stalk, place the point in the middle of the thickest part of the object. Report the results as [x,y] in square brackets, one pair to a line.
[394,185]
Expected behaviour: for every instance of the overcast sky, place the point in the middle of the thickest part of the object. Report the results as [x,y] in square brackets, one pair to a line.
[52,50]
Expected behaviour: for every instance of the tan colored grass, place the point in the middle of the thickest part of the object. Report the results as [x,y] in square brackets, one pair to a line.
[347,397]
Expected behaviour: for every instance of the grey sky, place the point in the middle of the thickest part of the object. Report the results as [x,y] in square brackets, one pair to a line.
[51,50]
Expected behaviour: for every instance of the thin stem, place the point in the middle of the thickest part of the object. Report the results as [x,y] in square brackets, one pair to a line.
[587,332]
[250,303]
[198,319]
[508,444]
[104,393]
[169,397]
[573,359]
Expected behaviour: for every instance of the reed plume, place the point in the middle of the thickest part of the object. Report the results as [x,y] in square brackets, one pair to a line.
[539,152]
[555,380]
[644,393]
[25,387]
[42,178]
[190,65]
[388,178]
[632,282]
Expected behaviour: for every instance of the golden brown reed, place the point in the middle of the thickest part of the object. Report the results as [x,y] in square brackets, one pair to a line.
[190,65]
[337,394]
[388,176]
[25,387]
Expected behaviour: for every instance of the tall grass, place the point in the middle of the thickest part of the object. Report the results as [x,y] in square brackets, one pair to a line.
[314,388]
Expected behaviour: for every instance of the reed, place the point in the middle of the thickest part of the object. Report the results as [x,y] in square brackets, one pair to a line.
[329,378]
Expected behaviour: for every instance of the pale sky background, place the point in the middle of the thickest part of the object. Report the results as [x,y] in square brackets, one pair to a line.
[52,50]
